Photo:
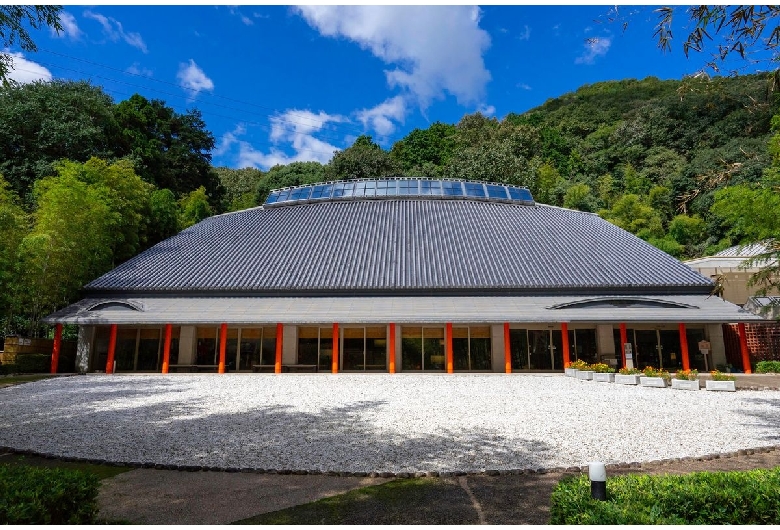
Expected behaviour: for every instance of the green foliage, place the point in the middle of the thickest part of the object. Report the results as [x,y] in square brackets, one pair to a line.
[749,212]
[194,208]
[163,216]
[632,214]
[294,174]
[544,185]
[425,151]
[578,197]
[13,228]
[768,367]
[30,495]
[33,363]
[687,230]
[364,159]
[734,497]
[240,187]
[14,22]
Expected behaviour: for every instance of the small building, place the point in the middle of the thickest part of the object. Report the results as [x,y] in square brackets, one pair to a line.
[399,275]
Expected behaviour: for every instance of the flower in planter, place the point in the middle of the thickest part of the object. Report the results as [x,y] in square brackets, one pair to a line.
[687,375]
[649,371]
[579,364]
[602,368]
[717,375]
[629,371]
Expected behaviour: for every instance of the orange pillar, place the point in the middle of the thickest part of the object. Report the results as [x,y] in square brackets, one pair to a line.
[507,350]
[111,350]
[166,348]
[334,363]
[55,351]
[565,344]
[684,347]
[222,347]
[623,340]
[278,363]
[391,345]
[448,348]
[744,347]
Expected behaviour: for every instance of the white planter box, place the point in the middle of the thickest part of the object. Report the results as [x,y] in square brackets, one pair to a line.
[603,378]
[631,379]
[585,374]
[655,382]
[682,384]
[571,372]
[722,386]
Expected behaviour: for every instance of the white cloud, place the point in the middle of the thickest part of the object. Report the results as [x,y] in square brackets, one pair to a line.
[24,71]
[524,86]
[596,47]
[526,34]
[228,139]
[114,31]
[433,49]
[69,27]
[487,110]
[384,116]
[245,19]
[193,79]
[137,69]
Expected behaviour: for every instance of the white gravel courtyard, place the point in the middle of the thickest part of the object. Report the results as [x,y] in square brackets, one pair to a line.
[378,422]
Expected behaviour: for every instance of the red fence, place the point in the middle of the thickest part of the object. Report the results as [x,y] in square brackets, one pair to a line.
[763,342]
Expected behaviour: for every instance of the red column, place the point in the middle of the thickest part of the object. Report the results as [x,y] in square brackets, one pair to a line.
[166,348]
[623,340]
[744,347]
[448,348]
[334,363]
[55,351]
[507,350]
[222,347]
[278,363]
[684,347]
[111,350]
[565,344]
[391,345]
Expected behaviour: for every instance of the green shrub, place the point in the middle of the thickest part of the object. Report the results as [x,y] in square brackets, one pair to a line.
[768,367]
[734,497]
[33,363]
[32,495]
[7,369]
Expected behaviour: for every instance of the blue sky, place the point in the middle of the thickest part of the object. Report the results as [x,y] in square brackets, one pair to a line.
[276,84]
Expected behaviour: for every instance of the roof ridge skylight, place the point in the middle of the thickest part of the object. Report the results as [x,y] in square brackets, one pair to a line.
[394,187]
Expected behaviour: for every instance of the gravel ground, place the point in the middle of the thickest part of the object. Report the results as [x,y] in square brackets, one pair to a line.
[378,422]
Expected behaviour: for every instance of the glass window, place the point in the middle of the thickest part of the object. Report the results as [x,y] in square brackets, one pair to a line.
[251,346]
[433,348]
[582,343]
[349,189]
[474,190]
[452,189]
[386,187]
[284,195]
[100,357]
[352,357]
[326,349]
[539,349]
[231,349]
[322,191]
[338,189]
[519,194]
[496,192]
[460,348]
[411,348]
[149,350]
[173,355]
[518,348]
[124,353]
[430,187]
[376,348]
[308,341]
[408,187]
[273,197]
[300,194]
[479,348]
[206,346]
[360,189]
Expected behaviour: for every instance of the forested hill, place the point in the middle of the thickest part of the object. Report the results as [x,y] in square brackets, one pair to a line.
[691,166]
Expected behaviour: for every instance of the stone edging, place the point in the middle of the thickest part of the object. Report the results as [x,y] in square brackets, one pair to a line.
[386,474]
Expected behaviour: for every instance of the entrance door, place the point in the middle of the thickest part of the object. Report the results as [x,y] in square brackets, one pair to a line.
[545,349]
[646,348]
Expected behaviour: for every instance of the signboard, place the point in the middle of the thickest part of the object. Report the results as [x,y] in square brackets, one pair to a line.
[704,345]
[628,350]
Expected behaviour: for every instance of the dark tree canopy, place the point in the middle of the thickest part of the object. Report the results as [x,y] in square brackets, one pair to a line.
[13,22]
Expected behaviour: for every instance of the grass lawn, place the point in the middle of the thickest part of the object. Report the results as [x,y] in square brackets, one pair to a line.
[101,471]
[405,501]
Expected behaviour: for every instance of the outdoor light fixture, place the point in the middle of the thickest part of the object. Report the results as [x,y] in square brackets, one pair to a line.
[597,474]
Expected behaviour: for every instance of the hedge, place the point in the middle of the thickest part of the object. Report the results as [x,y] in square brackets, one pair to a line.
[714,498]
[768,367]
[32,495]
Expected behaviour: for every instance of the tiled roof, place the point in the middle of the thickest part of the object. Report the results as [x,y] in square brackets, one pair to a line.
[402,246]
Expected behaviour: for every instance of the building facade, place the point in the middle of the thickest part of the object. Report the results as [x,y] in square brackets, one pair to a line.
[399,275]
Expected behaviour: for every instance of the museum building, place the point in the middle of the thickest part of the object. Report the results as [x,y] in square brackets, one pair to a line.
[399,275]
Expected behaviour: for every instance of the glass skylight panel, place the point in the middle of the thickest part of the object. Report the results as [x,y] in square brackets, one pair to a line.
[300,194]
[322,191]
[452,189]
[349,189]
[360,189]
[519,194]
[273,197]
[474,189]
[408,187]
[284,195]
[386,187]
[496,192]
[430,187]
[338,189]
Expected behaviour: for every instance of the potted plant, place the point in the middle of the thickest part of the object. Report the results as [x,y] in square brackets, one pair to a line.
[686,380]
[656,378]
[627,376]
[721,382]
[586,372]
[603,373]
[574,367]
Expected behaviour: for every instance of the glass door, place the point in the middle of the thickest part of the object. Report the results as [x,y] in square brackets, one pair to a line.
[518,348]
[646,348]
[539,354]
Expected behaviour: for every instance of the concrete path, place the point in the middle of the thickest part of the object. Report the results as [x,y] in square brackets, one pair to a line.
[149,496]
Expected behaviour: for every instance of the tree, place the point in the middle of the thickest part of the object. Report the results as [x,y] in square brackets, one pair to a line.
[545,184]
[170,150]
[13,228]
[240,187]
[578,197]
[423,148]
[632,214]
[163,216]
[41,123]
[363,159]
[13,19]
[194,207]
